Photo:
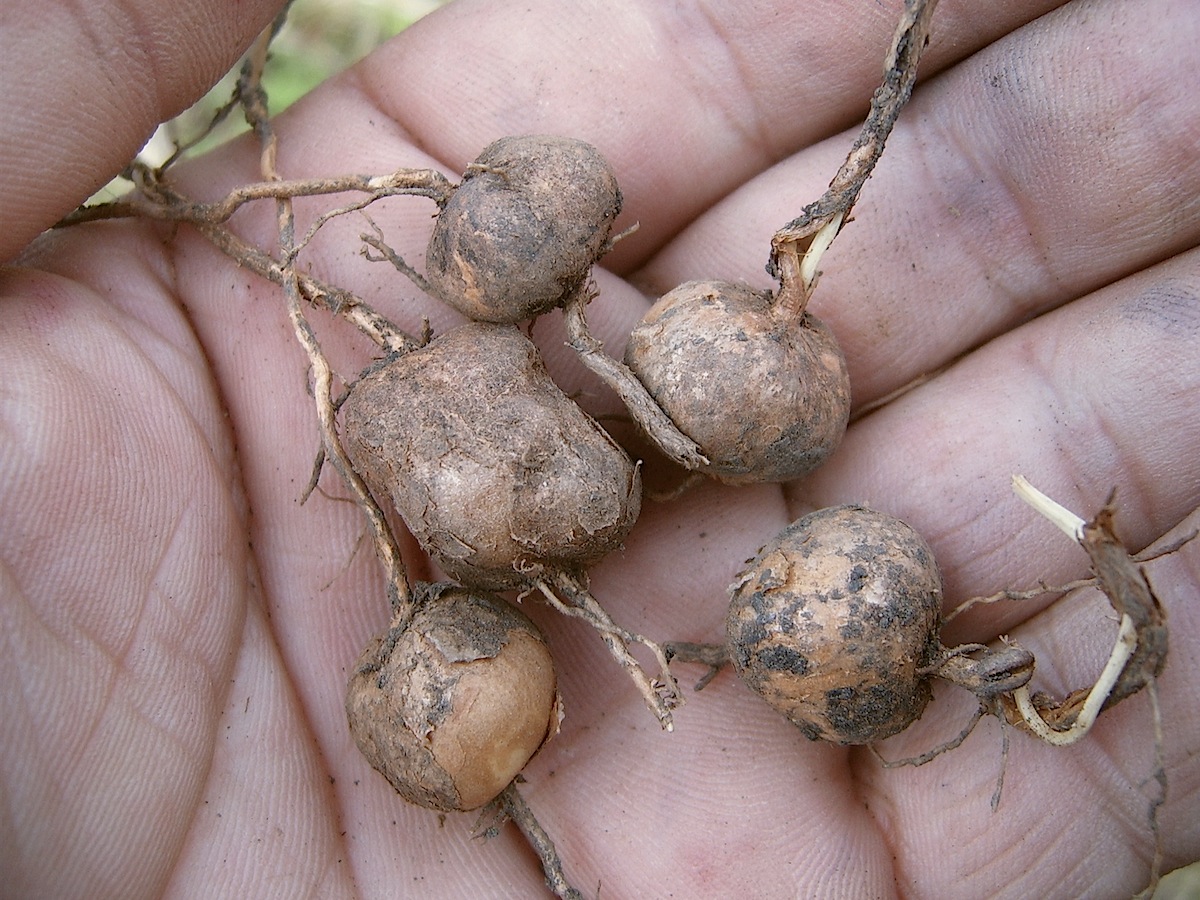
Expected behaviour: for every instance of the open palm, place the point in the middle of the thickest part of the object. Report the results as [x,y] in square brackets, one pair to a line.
[178,626]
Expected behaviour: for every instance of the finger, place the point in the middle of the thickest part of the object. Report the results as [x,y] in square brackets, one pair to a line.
[686,101]
[122,585]
[1032,845]
[268,813]
[140,64]
[1051,163]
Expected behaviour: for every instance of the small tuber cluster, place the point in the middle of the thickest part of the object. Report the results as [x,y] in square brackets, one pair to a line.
[507,484]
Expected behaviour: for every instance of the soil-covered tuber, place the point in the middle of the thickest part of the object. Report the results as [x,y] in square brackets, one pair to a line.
[835,624]
[520,234]
[766,397]
[452,707]
[496,472]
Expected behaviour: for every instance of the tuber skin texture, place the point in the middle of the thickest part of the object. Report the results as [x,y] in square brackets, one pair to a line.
[766,397]
[452,707]
[522,231]
[497,473]
[835,624]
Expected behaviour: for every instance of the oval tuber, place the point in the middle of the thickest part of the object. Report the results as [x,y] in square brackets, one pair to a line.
[495,471]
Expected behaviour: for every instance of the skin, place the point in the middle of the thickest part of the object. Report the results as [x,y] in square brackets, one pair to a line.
[177,627]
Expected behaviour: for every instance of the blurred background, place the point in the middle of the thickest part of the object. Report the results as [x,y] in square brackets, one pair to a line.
[319,39]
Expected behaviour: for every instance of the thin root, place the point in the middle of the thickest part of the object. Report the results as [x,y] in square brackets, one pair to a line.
[511,805]
[389,255]
[934,753]
[255,107]
[661,694]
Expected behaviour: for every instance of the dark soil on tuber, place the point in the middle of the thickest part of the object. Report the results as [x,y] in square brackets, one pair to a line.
[520,234]
[835,624]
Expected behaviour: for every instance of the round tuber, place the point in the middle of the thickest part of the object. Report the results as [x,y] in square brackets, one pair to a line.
[452,707]
[520,234]
[835,624]
[765,396]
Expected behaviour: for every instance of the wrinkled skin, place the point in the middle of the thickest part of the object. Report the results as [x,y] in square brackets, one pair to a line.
[178,628]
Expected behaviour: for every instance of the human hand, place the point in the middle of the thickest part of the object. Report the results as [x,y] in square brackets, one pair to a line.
[179,627]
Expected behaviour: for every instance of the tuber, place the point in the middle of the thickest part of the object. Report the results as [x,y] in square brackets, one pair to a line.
[496,472]
[521,232]
[764,395]
[835,624]
[450,708]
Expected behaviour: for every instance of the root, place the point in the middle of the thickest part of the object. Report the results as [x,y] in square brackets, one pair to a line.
[349,306]
[934,753]
[511,806]
[992,707]
[660,694]
[1017,595]
[1160,777]
[255,108]
[387,254]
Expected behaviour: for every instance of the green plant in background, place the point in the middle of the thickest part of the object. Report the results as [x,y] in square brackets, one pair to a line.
[319,39]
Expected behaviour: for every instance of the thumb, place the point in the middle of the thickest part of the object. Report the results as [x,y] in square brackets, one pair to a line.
[85,84]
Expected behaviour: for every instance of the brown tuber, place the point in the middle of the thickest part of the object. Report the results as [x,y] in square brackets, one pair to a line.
[765,395]
[452,707]
[520,234]
[497,473]
[835,624]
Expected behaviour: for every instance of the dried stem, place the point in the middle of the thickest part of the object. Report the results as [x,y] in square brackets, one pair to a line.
[714,656]
[254,103]
[155,198]
[513,806]
[321,295]
[569,597]
[644,408]
[1096,697]
[412,182]
[1140,650]
[1066,521]
[797,247]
